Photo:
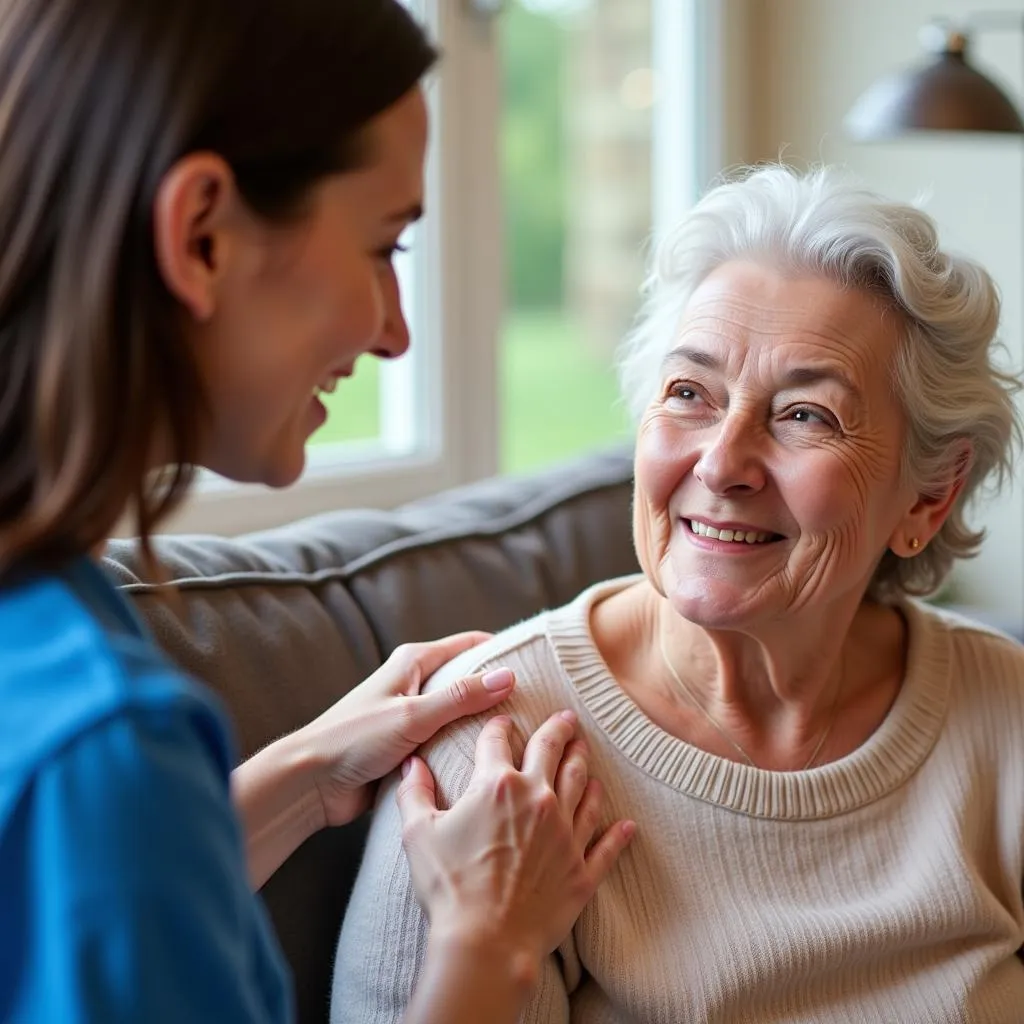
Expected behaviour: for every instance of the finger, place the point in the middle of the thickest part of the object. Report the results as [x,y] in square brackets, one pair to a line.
[416,796]
[588,814]
[468,696]
[604,854]
[427,658]
[546,747]
[571,781]
[494,747]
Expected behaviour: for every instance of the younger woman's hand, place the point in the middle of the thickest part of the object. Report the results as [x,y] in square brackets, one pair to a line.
[508,869]
[372,729]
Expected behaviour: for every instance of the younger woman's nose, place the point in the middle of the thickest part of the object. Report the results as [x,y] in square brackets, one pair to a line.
[394,335]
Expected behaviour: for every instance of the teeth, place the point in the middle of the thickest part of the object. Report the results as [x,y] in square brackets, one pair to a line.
[328,386]
[736,536]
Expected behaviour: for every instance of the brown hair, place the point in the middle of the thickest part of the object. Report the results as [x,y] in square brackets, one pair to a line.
[98,99]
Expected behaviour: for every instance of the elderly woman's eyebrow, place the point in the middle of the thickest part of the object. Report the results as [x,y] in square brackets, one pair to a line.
[802,376]
[686,354]
[798,376]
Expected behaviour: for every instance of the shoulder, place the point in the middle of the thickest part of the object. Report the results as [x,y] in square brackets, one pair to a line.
[527,651]
[971,640]
[45,624]
[139,765]
[511,648]
[75,621]
[536,651]
[67,667]
[985,665]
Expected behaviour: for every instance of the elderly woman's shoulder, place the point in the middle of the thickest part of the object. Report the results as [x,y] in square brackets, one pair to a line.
[505,649]
[977,624]
[527,649]
[531,647]
[541,688]
[975,643]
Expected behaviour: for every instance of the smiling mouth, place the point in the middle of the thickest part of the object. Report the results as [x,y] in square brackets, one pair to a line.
[329,383]
[732,536]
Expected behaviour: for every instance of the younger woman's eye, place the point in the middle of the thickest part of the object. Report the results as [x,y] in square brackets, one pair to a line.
[387,254]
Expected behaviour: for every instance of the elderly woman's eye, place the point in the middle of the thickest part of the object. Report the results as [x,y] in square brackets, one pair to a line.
[683,392]
[812,416]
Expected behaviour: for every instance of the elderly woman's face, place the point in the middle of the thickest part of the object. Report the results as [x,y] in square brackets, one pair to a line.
[768,466]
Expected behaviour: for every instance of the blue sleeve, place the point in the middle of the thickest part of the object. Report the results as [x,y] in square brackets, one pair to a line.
[137,906]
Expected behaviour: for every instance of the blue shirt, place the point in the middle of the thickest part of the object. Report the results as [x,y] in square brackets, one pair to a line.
[123,886]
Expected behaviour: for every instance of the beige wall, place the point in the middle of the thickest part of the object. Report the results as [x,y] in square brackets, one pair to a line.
[804,62]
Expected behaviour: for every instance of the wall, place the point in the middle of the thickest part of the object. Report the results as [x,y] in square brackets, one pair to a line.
[806,61]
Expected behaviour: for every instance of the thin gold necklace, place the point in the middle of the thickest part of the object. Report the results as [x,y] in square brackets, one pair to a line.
[721,732]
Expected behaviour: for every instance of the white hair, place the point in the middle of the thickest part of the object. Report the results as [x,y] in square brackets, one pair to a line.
[822,223]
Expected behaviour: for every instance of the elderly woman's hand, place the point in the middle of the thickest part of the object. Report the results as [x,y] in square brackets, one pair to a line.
[508,869]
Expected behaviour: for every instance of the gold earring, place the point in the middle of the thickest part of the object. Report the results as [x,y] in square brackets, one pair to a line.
[914,543]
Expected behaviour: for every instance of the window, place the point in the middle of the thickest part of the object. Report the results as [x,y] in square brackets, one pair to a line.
[577,97]
[562,132]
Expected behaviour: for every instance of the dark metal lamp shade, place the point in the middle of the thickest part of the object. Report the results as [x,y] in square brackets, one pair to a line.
[945,95]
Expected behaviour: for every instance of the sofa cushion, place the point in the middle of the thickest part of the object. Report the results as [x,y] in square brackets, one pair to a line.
[284,622]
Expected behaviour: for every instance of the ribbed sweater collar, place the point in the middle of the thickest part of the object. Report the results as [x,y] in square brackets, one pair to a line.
[879,766]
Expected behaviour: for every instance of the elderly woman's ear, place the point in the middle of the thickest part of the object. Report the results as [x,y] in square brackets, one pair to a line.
[932,509]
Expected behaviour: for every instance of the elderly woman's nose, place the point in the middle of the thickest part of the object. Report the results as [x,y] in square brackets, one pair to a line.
[732,457]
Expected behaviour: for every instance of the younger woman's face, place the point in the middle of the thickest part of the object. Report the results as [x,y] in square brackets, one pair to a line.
[296,306]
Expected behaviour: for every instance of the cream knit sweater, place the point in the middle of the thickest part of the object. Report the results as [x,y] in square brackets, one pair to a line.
[884,887]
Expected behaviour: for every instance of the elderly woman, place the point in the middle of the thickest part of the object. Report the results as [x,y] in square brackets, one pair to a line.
[825,773]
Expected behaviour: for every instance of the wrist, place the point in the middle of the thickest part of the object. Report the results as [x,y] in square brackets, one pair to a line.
[467,978]
[301,766]
[512,967]
[277,799]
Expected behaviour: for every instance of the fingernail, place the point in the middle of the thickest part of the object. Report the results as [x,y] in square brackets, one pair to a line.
[628,829]
[406,766]
[569,716]
[499,679]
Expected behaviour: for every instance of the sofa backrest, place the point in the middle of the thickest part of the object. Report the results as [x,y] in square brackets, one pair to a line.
[283,623]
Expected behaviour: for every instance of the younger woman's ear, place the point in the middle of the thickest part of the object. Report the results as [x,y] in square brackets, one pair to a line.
[190,219]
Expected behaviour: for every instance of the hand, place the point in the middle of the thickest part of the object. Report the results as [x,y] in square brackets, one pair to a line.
[510,866]
[372,729]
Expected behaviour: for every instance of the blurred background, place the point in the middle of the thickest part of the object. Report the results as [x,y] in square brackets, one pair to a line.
[566,133]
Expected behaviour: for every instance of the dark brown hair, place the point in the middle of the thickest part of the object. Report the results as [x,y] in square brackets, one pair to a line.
[98,99]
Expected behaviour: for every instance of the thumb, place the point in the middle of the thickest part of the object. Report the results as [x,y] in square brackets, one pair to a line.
[470,695]
[416,796]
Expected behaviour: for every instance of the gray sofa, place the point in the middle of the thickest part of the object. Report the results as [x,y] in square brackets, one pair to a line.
[283,623]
